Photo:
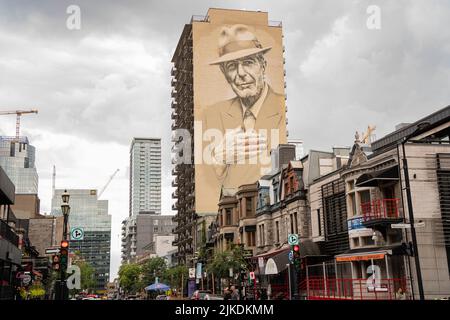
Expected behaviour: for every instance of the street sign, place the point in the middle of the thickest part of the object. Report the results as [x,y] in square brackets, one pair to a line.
[293,239]
[191,273]
[77,234]
[52,251]
[407,225]
[26,279]
[199,270]
[252,275]
[291,256]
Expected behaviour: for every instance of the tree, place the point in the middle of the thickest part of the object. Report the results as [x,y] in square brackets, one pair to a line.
[153,267]
[87,274]
[176,275]
[129,277]
[231,259]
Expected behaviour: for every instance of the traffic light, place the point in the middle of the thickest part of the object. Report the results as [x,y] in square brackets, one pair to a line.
[56,262]
[64,254]
[296,256]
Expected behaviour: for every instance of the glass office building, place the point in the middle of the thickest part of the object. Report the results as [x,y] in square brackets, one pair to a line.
[145,175]
[90,214]
[17,160]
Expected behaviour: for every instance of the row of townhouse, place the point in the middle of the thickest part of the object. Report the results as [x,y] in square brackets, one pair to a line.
[352,210]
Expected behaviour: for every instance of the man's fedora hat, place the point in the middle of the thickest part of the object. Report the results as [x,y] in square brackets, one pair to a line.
[238,42]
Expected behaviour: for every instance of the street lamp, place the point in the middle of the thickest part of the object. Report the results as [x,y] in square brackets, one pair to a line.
[63,293]
[65,197]
[65,209]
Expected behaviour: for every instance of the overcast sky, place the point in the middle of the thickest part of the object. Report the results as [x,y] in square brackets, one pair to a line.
[98,87]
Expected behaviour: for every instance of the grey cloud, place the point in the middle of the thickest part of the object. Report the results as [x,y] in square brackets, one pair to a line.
[110,80]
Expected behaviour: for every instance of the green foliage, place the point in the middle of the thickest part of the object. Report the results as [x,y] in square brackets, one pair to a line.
[36,291]
[87,275]
[23,293]
[154,267]
[129,276]
[223,261]
[175,275]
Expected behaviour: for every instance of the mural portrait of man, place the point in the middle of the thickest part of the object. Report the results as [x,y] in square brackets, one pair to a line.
[248,121]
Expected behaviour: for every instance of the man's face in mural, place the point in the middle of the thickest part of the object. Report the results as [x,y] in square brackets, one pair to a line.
[246,77]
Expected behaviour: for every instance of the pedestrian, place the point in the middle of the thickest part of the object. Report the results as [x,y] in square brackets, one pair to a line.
[263,294]
[226,294]
[400,295]
[234,293]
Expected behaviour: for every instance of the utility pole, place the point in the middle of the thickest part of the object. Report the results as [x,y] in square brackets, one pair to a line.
[420,127]
[411,222]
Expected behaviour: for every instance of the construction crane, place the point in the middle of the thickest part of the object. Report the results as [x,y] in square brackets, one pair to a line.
[18,113]
[107,184]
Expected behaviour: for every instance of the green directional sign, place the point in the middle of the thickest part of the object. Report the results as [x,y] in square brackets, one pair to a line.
[293,239]
[76,234]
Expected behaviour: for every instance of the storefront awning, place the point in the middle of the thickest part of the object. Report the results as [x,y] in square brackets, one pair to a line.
[277,263]
[363,256]
[373,179]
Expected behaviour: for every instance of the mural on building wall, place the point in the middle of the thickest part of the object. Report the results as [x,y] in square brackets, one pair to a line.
[239,104]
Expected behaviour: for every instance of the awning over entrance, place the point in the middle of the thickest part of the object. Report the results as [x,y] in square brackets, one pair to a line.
[372,179]
[277,263]
[309,248]
[363,256]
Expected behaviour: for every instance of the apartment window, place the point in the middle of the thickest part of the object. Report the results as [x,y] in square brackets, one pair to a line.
[286,189]
[291,180]
[263,235]
[277,227]
[240,210]
[251,238]
[353,204]
[259,235]
[292,223]
[248,206]
[319,222]
[367,241]
[364,196]
[228,217]
[229,242]
[295,222]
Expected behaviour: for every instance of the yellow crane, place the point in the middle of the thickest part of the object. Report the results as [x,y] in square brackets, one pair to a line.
[18,114]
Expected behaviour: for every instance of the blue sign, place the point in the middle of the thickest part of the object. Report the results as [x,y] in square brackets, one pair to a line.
[291,256]
[199,271]
[355,223]
[191,287]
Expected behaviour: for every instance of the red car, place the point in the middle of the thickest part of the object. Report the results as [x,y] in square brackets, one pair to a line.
[200,294]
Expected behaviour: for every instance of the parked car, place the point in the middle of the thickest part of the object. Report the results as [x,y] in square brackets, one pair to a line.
[209,296]
[200,294]
[161,297]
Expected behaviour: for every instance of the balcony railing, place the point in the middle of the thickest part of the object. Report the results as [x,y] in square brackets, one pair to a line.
[380,209]
[7,233]
[319,288]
